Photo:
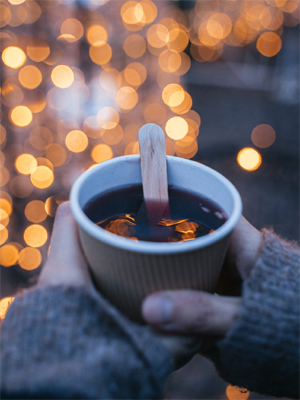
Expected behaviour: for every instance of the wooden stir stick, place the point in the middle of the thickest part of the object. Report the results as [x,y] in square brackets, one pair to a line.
[154,172]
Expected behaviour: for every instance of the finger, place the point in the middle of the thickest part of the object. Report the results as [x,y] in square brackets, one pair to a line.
[245,245]
[190,312]
[66,263]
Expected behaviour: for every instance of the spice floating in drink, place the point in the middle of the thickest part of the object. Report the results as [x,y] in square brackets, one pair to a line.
[191,216]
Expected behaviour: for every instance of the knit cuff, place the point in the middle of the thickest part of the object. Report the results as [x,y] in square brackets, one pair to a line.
[261,350]
[68,342]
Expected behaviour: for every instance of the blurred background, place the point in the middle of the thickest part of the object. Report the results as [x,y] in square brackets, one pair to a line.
[80,77]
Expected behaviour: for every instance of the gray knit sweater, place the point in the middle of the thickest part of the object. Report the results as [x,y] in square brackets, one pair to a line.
[65,342]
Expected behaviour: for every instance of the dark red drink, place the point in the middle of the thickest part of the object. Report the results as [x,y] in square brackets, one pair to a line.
[190,216]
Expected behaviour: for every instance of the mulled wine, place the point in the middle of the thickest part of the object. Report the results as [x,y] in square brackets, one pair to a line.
[189,216]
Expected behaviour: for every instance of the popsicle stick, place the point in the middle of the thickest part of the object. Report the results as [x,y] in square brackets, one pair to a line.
[154,171]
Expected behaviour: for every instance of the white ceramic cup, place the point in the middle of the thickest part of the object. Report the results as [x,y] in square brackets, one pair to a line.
[126,271]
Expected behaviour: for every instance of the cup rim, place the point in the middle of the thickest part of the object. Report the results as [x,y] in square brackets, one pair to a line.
[153,247]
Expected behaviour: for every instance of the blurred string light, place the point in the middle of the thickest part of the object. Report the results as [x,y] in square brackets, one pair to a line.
[4,305]
[236,393]
[76,91]
[249,159]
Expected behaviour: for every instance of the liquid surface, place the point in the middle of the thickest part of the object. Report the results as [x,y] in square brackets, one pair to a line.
[189,216]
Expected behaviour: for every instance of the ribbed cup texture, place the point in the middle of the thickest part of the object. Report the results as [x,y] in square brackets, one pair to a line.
[125,278]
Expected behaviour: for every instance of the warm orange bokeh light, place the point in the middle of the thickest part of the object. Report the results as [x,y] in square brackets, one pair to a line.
[16,2]
[35,211]
[5,204]
[236,393]
[4,176]
[76,141]
[30,77]
[40,137]
[4,305]
[71,29]
[100,54]
[132,12]
[2,134]
[157,36]
[219,25]
[62,76]
[249,159]
[21,116]
[97,35]
[35,235]
[173,95]
[29,258]
[42,177]
[38,50]
[4,217]
[127,98]
[269,44]
[56,154]
[135,74]
[3,234]
[13,57]
[102,152]
[26,164]
[134,46]
[176,128]
[9,254]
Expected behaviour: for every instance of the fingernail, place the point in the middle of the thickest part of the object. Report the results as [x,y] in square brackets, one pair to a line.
[158,309]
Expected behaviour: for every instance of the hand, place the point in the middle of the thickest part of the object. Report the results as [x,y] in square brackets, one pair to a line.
[66,264]
[196,312]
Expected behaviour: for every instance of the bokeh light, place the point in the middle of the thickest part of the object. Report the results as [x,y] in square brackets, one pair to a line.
[4,305]
[30,77]
[263,136]
[101,152]
[127,98]
[269,44]
[249,159]
[97,35]
[76,141]
[71,30]
[38,49]
[35,211]
[26,164]
[101,53]
[62,76]
[42,177]
[21,116]
[3,234]
[236,393]
[176,128]
[56,153]
[14,57]
[35,235]
[9,254]
[135,46]
[29,258]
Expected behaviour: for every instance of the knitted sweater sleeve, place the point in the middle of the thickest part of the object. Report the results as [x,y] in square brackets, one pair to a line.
[69,343]
[261,350]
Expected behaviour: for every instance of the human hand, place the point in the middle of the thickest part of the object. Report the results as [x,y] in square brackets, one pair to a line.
[66,264]
[196,312]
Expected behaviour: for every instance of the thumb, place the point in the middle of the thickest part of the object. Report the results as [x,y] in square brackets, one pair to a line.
[190,312]
[66,264]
